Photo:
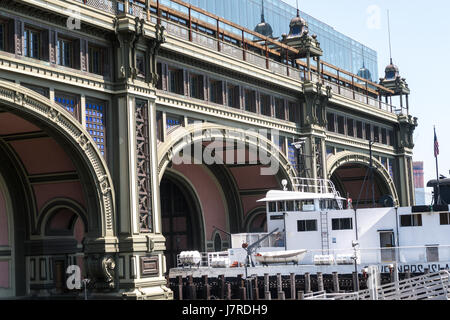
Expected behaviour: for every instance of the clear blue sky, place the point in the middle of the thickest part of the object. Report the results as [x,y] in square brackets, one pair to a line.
[420,35]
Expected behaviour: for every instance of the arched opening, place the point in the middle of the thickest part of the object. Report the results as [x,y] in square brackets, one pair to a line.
[354,181]
[181,218]
[45,156]
[227,170]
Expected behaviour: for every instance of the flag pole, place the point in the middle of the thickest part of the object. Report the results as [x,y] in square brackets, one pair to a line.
[436,153]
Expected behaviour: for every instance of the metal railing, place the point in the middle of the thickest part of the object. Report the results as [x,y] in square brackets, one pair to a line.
[314,185]
[342,82]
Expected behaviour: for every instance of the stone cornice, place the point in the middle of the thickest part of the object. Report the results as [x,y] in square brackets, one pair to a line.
[221,112]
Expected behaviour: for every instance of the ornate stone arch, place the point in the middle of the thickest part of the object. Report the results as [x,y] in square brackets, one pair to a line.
[25,102]
[184,136]
[346,157]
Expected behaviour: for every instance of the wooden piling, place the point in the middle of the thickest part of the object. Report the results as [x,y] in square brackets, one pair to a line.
[192,292]
[180,287]
[255,287]
[228,291]
[292,285]
[307,282]
[222,287]
[335,282]
[267,295]
[301,295]
[242,288]
[320,281]
[206,288]
[281,295]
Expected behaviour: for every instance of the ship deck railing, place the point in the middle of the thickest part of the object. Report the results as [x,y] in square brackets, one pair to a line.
[415,259]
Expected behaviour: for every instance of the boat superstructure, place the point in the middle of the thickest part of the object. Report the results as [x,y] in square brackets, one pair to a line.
[312,228]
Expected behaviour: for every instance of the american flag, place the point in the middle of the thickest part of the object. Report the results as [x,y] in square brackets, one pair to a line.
[436,144]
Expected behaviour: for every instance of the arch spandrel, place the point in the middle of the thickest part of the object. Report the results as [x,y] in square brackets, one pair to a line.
[24,101]
[334,162]
[184,136]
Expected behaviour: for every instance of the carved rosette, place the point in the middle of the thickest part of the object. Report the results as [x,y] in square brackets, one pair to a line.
[143,167]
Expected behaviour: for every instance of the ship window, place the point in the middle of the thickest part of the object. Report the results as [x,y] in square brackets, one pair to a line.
[272,207]
[289,205]
[306,225]
[342,224]
[327,204]
[281,206]
[411,220]
[445,218]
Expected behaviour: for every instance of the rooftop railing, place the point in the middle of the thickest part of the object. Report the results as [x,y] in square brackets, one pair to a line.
[196,25]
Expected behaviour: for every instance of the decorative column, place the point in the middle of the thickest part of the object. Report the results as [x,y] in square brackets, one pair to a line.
[141,261]
[314,122]
[405,183]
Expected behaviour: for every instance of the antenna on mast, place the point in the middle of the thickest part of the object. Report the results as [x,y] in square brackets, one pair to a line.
[298,10]
[389,32]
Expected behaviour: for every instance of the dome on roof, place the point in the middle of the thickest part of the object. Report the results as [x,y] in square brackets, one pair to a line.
[298,26]
[365,73]
[391,72]
[265,29]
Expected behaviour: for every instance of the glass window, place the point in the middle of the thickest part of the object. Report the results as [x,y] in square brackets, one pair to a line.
[350,128]
[97,58]
[359,129]
[279,109]
[196,86]
[293,112]
[341,124]
[306,225]
[233,96]
[368,131]
[31,43]
[330,124]
[64,51]
[272,207]
[289,205]
[3,33]
[215,91]
[68,102]
[265,105]
[95,123]
[281,206]
[432,254]
[445,218]
[383,136]
[342,224]
[140,63]
[411,220]
[250,100]
[176,82]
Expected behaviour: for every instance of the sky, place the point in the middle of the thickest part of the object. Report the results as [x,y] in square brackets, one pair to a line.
[420,37]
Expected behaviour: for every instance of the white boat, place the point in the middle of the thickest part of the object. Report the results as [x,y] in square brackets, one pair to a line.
[294,256]
[322,235]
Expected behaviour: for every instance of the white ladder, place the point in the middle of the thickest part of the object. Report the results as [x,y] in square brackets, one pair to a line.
[324,232]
